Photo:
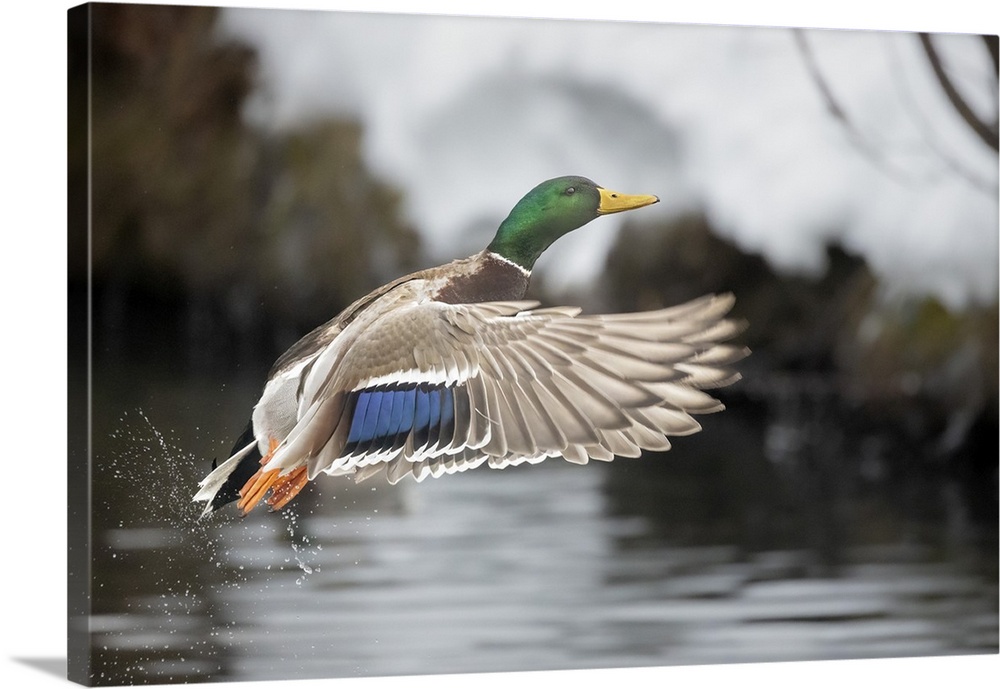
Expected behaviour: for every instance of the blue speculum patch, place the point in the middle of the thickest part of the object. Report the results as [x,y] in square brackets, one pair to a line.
[383,416]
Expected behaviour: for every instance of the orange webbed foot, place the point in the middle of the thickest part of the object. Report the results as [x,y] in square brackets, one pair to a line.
[254,489]
[287,487]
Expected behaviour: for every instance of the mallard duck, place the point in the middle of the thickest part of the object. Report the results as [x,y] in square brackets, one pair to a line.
[449,368]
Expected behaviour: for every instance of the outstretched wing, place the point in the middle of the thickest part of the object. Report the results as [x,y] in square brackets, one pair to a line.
[437,388]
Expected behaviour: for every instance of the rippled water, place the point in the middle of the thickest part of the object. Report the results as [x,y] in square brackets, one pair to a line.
[546,567]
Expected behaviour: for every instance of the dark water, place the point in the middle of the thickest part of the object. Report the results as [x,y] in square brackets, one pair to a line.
[713,553]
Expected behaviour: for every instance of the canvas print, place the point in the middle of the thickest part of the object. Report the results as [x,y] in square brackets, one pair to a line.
[407,345]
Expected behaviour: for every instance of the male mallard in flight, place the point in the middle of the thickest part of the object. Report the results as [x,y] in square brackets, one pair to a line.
[446,369]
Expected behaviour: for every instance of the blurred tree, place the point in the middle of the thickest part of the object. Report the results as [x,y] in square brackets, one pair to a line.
[204,229]
[832,360]
[794,321]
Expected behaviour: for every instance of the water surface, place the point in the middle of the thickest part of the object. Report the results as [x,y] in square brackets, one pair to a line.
[531,568]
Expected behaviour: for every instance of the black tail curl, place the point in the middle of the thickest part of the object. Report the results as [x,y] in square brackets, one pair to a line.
[247,467]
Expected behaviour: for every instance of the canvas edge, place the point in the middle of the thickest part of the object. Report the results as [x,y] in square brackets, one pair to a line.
[78,660]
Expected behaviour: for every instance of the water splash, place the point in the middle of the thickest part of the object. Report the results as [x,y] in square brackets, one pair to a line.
[190,579]
[302,549]
[147,536]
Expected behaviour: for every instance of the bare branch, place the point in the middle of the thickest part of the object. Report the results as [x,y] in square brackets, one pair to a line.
[993,47]
[927,132]
[854,135]
[984,131]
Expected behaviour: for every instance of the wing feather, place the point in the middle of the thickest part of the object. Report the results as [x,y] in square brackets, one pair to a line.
[520,384]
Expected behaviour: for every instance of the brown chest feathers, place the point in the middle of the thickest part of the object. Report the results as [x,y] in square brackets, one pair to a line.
[492,279]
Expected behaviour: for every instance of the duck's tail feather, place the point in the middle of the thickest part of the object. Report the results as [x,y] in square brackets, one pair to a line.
[223,485]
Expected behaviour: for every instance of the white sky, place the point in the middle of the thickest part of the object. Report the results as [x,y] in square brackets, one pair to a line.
[467,114]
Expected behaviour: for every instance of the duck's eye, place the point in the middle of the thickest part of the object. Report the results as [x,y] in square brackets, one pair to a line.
[570,191]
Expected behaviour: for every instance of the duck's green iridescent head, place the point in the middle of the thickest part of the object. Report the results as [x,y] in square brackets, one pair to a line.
[552,209]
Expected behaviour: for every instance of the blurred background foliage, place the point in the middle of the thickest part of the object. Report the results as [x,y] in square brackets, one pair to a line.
[846,389]
[222,244]
[207,232]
